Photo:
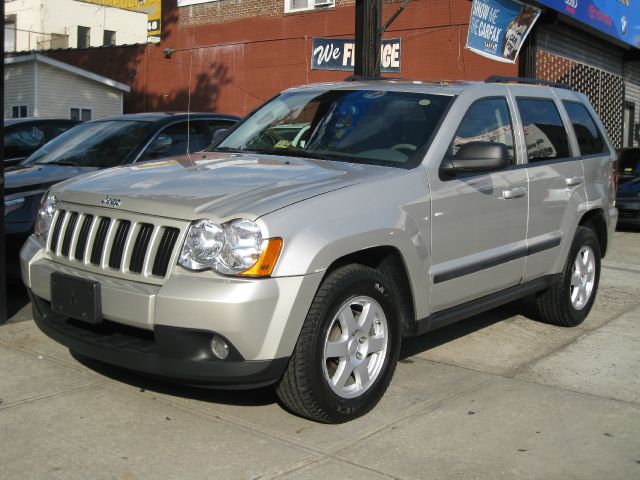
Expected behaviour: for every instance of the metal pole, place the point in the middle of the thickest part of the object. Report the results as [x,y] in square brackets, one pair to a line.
[368,33]
[3,267]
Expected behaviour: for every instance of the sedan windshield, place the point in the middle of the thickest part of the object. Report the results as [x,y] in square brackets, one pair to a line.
[360,126]
[95,144]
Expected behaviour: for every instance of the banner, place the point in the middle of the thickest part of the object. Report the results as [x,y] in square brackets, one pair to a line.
[498,28]
[618,18]
[336,54]
[153,9]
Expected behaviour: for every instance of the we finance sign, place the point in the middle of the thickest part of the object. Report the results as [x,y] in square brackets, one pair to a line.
[339,54]
[498,28]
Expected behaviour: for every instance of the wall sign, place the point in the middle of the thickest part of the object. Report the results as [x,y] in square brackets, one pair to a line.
[617,18]
[498,28]
[339,54]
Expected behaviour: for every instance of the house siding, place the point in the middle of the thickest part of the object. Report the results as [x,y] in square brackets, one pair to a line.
[59,91]
[18,87]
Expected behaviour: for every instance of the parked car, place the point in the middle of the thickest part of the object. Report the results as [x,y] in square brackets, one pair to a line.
[302,262]
[628,203]
[95,145]
[628,164]
[23,136]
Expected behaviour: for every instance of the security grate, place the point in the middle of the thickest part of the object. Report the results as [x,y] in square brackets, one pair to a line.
[604,90]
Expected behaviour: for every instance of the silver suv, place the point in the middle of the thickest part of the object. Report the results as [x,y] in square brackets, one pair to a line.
[332,222]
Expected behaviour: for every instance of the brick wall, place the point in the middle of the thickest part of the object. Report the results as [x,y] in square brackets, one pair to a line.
[223,11]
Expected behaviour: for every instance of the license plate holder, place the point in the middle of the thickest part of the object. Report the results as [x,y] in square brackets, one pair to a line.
[76,298]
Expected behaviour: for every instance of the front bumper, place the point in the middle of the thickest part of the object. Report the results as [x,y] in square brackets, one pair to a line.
[176,354]
[628,212]
[260,319]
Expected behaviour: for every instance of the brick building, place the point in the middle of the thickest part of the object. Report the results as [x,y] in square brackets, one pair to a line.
[230,55]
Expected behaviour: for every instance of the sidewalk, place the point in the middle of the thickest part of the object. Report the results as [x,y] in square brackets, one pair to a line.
[498,396]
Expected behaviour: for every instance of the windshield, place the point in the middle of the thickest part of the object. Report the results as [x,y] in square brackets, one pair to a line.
[360,126]
[96,144]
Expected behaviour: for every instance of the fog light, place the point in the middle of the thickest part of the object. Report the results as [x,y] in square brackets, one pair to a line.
[219,347]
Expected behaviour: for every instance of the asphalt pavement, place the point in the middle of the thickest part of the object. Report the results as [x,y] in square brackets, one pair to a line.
[497,396]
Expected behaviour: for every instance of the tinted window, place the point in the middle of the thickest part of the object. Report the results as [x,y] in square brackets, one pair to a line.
[486,121]
[97,144]
[180,138]
[359,126]
[590,139]
[544,131]
[21,141]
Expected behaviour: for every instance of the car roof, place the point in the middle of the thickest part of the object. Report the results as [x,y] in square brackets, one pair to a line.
[17,121]
[169,117]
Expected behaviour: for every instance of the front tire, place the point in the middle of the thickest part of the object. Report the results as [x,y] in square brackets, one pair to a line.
[347,350]
[568,302]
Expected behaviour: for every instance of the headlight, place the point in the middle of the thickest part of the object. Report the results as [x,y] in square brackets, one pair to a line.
[233,248]
[45,215]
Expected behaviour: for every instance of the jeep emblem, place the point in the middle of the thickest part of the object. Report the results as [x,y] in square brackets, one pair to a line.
[112,202]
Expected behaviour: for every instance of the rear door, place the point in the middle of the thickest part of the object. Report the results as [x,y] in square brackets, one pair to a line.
[478,220]
[556,181]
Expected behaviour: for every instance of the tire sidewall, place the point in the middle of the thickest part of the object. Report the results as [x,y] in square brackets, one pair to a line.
[369,284]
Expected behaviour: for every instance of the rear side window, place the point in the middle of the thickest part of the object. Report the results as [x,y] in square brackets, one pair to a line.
[590,139]
[486,120]
[544,131]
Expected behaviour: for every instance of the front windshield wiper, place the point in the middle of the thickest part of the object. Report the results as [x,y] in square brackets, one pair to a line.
[296,153]
[227,149]
[65,163]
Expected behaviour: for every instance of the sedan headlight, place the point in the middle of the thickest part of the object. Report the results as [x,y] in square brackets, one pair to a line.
[45,215]
[233,248]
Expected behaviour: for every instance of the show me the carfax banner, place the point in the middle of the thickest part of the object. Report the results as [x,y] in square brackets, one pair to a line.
[498,28]
[340,54]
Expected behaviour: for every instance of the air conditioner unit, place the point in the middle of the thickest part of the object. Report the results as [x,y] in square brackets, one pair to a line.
[324,3]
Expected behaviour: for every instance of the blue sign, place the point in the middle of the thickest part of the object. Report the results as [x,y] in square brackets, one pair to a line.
[617,18]
[498,28]
[338,54]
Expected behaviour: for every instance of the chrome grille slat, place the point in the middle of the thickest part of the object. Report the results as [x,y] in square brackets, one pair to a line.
[115,243]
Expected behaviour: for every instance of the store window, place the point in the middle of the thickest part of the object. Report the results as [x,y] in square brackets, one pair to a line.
[84,37]
[544,131]
[83,114]
[301,5]
[19,111]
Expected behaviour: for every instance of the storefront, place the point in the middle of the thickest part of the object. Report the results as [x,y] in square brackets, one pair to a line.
[593,49]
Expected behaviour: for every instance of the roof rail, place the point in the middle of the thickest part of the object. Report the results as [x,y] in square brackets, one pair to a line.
[527,81]
[358,78]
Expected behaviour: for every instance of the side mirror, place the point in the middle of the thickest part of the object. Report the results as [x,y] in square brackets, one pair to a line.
[477,157]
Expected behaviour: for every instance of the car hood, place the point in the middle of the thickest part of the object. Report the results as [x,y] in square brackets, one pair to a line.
[215,185]
[36,177]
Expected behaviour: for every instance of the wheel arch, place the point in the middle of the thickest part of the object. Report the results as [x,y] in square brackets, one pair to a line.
[595,220]
[388,260]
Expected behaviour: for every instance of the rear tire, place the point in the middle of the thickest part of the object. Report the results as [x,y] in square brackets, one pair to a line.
[347,350]
[568,302]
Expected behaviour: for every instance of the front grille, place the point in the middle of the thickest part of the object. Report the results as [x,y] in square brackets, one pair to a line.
[119,245]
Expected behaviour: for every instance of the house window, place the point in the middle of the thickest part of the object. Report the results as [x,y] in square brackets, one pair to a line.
[83,114]
[84,37]
[109,38]
[302,5]
[19,111]
[10,33]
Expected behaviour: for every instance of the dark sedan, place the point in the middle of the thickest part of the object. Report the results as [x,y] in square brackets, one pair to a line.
[628,203]
[95,145]
[23,136]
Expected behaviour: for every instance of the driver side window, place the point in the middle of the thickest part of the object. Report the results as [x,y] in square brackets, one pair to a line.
[486,120]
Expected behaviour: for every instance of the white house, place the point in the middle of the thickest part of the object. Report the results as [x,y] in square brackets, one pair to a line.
[41,25]
[39,86]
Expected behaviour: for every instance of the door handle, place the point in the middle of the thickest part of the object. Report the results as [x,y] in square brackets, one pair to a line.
[515,192]
[574,181]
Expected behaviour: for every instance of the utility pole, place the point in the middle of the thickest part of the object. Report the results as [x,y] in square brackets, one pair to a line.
[369,31]
[368,38]
[3,267]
